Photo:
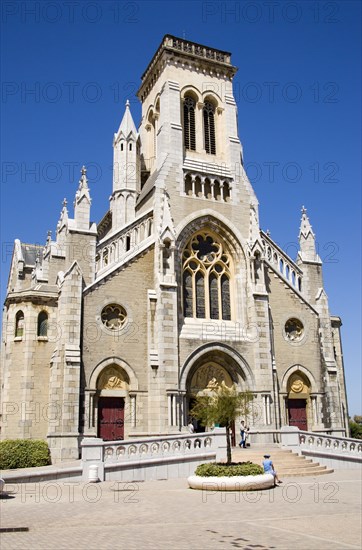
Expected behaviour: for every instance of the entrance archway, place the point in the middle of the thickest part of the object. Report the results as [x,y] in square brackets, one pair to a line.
[298,400]
[200,380]
[112,387]
[213,362]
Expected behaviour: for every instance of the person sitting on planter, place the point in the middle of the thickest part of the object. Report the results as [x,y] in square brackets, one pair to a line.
[269,469]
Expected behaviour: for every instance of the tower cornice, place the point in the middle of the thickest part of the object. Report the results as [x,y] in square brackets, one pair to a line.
[179,50]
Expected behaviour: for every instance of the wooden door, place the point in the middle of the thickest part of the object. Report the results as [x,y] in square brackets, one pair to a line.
[297,413]
[111,418]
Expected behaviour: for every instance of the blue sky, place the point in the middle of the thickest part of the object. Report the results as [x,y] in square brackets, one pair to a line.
[68,68]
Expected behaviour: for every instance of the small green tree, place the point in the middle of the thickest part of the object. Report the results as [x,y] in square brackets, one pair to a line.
[355,427]
[220,404]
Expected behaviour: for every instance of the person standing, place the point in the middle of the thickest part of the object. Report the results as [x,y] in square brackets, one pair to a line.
[247,436]
[269,469]
[242,443]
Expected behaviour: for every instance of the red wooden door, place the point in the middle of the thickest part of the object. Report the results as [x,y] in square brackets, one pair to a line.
[111,418]
[297,413]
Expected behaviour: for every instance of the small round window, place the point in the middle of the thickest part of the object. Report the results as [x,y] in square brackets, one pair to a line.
[294,330]
[114,316]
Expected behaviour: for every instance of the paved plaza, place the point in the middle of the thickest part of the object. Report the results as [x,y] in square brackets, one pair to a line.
[321,512]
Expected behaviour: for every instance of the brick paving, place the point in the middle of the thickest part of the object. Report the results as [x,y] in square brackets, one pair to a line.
[302,514]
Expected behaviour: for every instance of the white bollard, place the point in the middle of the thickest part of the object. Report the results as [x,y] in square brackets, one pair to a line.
[93,474]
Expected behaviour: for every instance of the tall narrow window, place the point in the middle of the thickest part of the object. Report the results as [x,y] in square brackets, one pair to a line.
[43,324]
[225,297]
[209,128]
[214,296]
[207,271]
[189,124]
[187,293]
[19,324]
[200,296]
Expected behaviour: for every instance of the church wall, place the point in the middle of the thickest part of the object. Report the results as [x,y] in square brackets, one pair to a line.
[312,280]
[127,288]
[284,305]
[26,374]
[81,247]
[56,264]
[306,352]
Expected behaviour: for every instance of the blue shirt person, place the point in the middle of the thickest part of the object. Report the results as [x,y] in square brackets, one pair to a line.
[269,468]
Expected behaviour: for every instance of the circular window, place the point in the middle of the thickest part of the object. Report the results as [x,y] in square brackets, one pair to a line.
[294,329]
[114,316]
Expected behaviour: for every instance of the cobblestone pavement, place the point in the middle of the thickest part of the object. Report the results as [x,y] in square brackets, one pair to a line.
[316,513]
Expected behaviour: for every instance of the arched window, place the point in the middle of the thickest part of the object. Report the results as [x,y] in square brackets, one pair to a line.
[43,324]
[19,324]
[209,128]
[189,123]
[207,271]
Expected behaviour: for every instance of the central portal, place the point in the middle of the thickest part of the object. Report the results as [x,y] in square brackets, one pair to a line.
[202,377]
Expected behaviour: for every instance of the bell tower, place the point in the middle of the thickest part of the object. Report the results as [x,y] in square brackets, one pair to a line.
[189,129]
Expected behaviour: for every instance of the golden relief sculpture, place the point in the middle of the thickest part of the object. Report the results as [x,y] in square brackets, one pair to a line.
[298,385]
[111,379]
[208,376]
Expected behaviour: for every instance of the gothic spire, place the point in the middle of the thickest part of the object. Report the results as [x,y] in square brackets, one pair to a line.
[63,214]
[82,202]
[127,125]
[83,189]
[307,242]
[305,226]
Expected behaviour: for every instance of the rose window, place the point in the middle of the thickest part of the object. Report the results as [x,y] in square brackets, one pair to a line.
[114,316]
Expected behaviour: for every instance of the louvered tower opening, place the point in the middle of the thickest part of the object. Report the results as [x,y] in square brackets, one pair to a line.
[209,128]
[189,124]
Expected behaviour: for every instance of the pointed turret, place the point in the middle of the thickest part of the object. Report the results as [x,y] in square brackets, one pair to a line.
[125,171]
[82,202]
[63,220]
[127,125]
[62,227]
[308,259]
[308,252]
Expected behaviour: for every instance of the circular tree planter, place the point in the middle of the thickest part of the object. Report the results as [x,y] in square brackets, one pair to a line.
[231,483]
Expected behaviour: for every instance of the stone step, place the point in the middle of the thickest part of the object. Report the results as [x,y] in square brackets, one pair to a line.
[280,459]
[315,472]
[287,463]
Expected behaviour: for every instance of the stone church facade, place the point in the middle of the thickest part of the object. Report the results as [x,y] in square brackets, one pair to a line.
[110,329]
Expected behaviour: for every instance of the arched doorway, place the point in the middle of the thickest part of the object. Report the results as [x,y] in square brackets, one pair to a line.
[210,362]
[112,387]
[298,400]
[200,380]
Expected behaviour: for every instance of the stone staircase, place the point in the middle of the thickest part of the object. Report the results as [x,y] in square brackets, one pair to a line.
[286,463]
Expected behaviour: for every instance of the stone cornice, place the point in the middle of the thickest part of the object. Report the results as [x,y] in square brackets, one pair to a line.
[180,51]
[31,295]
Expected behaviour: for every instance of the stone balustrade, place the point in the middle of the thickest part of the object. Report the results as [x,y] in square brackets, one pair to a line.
[114,250]
[280,261]
[332,451]
[330,444]
[207,187]
[149,458]
[196,49]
